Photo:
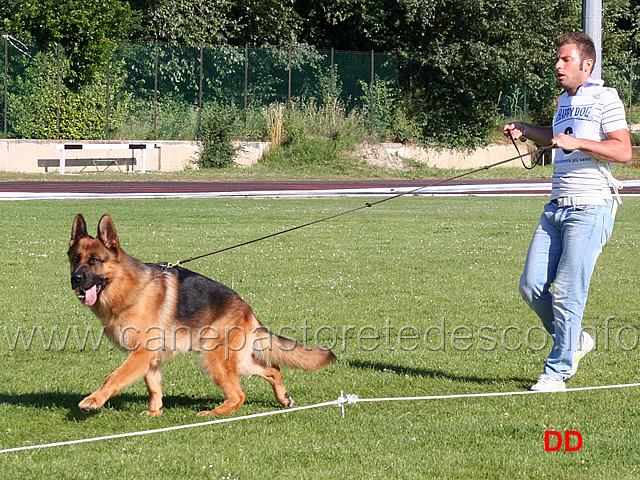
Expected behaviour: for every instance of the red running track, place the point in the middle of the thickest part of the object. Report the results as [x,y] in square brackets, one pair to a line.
[460,187]
[108,187]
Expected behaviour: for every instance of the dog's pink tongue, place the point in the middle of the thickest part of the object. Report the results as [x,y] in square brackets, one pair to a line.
[91,295]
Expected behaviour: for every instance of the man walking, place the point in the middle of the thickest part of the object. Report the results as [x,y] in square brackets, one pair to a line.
[590,132]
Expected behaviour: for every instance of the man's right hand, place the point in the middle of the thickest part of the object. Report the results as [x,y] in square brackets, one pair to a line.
[516,129]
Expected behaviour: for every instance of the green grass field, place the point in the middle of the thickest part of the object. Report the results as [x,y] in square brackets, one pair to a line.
[417,297]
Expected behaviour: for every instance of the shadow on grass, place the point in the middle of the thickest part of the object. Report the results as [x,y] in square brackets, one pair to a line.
[518,383]
[122,402]
[138,403]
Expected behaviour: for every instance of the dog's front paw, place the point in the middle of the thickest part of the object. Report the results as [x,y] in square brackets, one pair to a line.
[151,413]
[90,404]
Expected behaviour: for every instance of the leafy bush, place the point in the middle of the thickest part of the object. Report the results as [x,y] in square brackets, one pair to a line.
[37,110]
[388,120]
[220,124]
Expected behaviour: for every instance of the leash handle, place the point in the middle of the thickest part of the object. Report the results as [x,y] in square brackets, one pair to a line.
[522,139]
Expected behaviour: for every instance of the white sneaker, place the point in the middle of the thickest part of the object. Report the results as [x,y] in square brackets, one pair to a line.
[585,346]
[546,383]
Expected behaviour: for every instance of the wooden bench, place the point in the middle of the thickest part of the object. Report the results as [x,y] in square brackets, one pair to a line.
[89,162]
[63,162]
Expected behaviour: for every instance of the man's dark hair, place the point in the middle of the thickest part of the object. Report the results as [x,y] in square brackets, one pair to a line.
[582,41]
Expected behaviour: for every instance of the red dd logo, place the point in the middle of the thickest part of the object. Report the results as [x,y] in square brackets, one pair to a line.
[553,441]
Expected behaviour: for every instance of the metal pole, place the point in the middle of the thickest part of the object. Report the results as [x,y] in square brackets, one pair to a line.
[200,94]
[592,25]
[246,80]
[107,103]
[371,93]
[58,95]
[155,89]
[6,86]
[333,80]
[630,87]
[289,81]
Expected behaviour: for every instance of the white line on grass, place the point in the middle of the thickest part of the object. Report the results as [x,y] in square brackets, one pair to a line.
[343,400]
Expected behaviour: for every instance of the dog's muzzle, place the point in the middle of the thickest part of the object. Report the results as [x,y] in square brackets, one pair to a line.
[87,287]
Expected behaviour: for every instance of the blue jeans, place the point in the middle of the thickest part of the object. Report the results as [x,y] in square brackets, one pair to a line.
[563,252]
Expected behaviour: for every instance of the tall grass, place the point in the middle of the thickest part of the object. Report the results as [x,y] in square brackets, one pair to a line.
[275,120]
[310,134]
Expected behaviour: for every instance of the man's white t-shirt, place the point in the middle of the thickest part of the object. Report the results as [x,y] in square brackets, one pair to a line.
[592,113]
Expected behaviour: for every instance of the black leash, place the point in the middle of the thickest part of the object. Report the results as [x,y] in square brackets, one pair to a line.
[534,160]
[366,205]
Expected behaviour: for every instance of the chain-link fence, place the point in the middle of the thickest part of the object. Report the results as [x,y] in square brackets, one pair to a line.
[161,91]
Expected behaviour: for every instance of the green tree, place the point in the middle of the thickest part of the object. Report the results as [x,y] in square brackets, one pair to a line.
[458,56]
[265,23]
[219,22]
[190,22]
[85,29]
[349,24]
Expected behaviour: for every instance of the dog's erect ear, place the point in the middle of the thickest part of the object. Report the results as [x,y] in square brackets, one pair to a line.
[107,232]
[79,229]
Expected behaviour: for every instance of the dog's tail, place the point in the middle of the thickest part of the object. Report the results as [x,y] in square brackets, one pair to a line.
[275,350]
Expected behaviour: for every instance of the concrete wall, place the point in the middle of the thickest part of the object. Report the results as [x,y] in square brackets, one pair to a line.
[459,159]
[169,156]
[166,156]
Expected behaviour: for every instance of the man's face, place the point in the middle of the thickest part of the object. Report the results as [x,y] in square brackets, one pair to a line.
[570,71]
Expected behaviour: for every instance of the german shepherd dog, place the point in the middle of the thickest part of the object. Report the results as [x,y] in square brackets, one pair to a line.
[153,311]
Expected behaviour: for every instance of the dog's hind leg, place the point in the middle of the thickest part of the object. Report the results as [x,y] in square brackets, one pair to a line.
[153,379]
[274,377]
[223,372]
